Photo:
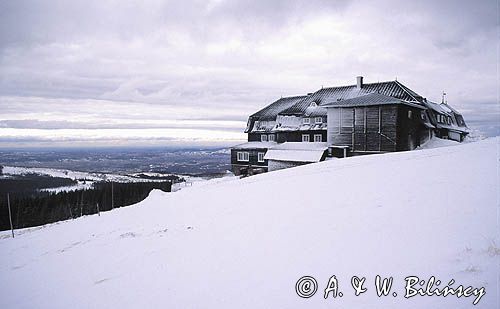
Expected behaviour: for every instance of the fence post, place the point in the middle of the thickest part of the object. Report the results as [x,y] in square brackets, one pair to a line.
[81,205]
[10,215]
[112,197]
[98,212]
[17,216]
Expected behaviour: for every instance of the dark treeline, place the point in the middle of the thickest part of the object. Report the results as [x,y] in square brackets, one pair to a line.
[31,207]
[29,183]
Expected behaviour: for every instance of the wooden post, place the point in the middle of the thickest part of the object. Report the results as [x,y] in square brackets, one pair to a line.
[81,205]
[10,215]
[17,216]
[98,212]
[112,197]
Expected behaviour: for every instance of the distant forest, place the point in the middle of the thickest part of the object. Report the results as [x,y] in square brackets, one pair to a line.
[32,207]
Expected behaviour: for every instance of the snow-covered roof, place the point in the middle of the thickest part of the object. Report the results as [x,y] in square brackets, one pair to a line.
[264,126]
[326,95]
[440,108]
[371,99]
[315,111]
[445,109]
[255,145]
[301,146]
[297,152]
[269,112]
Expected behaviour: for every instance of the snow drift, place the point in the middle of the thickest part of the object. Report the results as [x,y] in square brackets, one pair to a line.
[245,243]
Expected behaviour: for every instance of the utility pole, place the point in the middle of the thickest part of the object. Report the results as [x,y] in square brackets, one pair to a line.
[10,215]
[98,212]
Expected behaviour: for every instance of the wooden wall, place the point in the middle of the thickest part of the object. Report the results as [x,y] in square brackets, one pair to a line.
[254,137]
[364,129]
[275,165]
[253,157]
[411,131]
[296,136]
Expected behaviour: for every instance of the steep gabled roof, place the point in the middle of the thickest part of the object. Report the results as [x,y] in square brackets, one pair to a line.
[271,111]
[437,107]
[369,100]
[458,123]
[327,95]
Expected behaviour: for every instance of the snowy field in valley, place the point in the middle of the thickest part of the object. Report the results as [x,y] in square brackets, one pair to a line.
[244,243]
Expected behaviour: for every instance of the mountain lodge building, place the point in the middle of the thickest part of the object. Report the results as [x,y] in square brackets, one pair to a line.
[342,121]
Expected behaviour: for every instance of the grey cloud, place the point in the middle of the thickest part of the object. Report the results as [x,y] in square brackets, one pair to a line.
[37,21]
[56,125]
[89,64]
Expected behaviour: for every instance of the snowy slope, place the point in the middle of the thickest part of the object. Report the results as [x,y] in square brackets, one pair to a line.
[244,243]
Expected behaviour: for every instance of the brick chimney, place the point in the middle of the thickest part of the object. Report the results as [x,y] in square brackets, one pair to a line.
[359,82]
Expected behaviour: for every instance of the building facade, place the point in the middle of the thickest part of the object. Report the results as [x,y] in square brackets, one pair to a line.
[343,121]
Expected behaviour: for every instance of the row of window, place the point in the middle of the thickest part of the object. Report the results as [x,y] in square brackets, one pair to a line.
[318,138]
[244,156]
[267,138]
[317,120]
[443,119]
[305,138]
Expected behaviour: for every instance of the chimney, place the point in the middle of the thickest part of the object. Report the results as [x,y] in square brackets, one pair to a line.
[359,82]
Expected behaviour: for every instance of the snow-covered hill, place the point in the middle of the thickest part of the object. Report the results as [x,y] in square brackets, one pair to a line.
[245,243]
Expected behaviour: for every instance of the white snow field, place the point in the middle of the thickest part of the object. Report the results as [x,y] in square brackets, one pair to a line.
[244,243]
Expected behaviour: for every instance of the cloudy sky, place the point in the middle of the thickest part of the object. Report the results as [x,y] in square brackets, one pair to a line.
[102,73]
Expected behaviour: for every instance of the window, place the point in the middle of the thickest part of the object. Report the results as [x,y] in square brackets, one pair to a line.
[449,120]
[409,114]
[306,121]
[347,119]
[263,138]
[243,156]
[260,156]
[305,137]
[271,138]
[317,138]
[318,120]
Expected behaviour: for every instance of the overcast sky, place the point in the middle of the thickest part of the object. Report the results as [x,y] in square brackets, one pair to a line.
[101,73]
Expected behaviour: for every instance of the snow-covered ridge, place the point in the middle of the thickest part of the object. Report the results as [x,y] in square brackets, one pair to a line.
[64,173]
[244,243]
[85,180]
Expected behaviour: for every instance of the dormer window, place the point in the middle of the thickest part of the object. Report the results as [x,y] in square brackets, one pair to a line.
[314,104]
[318,120]
[306,121]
